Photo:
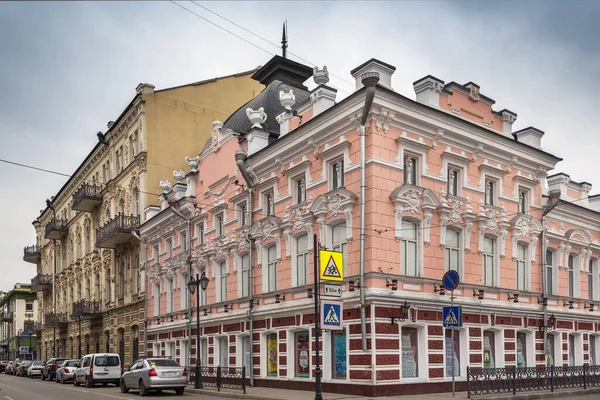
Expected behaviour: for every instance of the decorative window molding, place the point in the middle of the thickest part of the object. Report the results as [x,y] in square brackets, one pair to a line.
[297,219]
[414,200]
[417,147]
[331,205]
[456,161]
[265,231]
[529,184]
[338,150]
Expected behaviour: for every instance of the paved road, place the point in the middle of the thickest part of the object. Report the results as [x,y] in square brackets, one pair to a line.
[17,388]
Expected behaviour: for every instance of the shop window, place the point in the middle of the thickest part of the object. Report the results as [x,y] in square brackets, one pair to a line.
[521,349]
[302,354]
[338,356]
[410,353]
[489,349]
[223,353]
[272,354]
[593,350]
[452,352]
[550,355]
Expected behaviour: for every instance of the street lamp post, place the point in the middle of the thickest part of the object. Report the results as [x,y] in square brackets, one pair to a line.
[194,285]
[30,332]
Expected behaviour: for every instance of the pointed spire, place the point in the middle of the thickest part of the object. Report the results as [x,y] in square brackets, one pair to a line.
[284,40]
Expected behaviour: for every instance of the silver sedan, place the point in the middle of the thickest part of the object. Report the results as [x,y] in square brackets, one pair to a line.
[156,374]
[66,371]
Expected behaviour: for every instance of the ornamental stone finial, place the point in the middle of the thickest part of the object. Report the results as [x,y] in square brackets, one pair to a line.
[256,117]
[321,76]
[179,176]
[165,186]
[192,163]
[287,100]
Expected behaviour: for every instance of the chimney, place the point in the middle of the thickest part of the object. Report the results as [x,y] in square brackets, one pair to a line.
[322,97]
[258,138]
[560,182]
[144,88]
[151,211]
[508,119]
[428,89]
[530,136]
[373,65]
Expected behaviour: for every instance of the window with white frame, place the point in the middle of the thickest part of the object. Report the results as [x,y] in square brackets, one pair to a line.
[299,189]
[550,271]
[169,245]
[133,144]
[452,250]
[490,191]
[170,295]
[200,233]
[523,206]
[489,261]
[183,240]
[156,299]
[521,349]
[337,173]
[301,260]
[243,213]
[268,203]
[184,293]
[453,181]
[551,350]
[571,274]
[410,352]
[222,281]
[452,346]
[155,253]
[136,203]
[271,269]
[219,224]
[409,249]
[339,353]
[223,352]
[245,261]
[338,240]
[118,160]
[571,350]
[520,267]
[592,281]
[410,170]
[489,349]
[593,349]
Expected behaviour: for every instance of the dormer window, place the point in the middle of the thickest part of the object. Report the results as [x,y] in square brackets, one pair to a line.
[410,169]
[490,192]
[268,207]
[300,190]
[337,174]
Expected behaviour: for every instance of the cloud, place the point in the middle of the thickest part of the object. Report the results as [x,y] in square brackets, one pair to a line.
[69,67]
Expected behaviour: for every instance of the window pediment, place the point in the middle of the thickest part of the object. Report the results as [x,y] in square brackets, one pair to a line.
[578,236]
[266,228]
[413,199]
[333,203]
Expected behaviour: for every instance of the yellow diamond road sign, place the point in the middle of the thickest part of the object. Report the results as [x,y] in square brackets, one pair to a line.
[332,265]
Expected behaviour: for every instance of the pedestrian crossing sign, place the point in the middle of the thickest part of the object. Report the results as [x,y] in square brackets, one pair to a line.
[452,316]
[332,315]
[332,265]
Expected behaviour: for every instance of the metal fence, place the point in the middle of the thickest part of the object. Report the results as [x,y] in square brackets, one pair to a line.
[221,377]
[482,381]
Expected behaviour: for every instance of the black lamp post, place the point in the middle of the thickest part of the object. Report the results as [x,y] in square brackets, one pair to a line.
[194,285]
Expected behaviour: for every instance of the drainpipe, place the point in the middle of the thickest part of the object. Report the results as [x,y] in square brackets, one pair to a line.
[143,242]
[240,157]
[554,197]
[369,81]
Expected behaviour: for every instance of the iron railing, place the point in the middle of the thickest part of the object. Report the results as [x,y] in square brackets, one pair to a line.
[54,320]
[87,191]
[7,316]
[37,326]
[84,308]
[117,224]
[41,280]
[484,381]
[57,225]
[221,377]
[31,251]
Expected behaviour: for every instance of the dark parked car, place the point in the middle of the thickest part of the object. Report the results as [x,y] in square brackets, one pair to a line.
[49,370]
[22,369]
[3,365]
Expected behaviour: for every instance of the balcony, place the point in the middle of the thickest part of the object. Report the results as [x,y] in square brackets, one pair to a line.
[7,316]
[32,254]
[117,231]
[57,229]
[37,326]
[55,320]
[87,197]
[41,282]
[86,309]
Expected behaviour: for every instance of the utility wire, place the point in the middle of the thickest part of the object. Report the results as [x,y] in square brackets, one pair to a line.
[240,37]
[266,40]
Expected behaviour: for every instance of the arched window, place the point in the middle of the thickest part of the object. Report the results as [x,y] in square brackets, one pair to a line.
[301,260]
[271,269]
[409,249]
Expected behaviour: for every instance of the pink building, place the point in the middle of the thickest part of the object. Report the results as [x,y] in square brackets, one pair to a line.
[448,185]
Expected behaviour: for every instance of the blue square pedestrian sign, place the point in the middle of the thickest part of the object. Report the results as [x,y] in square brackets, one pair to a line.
[332,315]
[452,316]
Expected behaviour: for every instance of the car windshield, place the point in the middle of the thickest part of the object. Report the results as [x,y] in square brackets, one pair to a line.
[38,363]
[163,362]
[106,361]
[59,360]
[70,363]
[27,363]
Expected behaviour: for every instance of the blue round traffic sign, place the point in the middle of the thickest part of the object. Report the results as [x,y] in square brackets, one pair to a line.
[451,280]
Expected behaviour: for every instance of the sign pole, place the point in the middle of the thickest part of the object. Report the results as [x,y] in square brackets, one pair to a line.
[453,353]
[318,395]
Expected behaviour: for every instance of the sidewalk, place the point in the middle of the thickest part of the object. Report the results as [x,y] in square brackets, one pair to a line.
[262,393]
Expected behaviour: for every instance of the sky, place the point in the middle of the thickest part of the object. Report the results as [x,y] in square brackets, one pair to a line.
[67,68]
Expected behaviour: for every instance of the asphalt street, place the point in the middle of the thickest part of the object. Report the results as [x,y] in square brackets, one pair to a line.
[17,388]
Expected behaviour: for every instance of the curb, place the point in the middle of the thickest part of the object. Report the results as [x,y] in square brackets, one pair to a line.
[229,395]
[543,395]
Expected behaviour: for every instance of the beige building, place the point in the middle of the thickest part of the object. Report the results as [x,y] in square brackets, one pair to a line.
[90,276]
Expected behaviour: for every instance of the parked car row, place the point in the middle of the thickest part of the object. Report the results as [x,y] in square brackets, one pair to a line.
[147,374]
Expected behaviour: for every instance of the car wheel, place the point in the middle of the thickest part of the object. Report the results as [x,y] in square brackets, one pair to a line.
[88,382]
[179,391]
[105,384]
[143,390]
[75,381]
[158,391]
[124,388]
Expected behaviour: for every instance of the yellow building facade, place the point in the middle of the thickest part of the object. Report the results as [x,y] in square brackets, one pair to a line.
[90,259]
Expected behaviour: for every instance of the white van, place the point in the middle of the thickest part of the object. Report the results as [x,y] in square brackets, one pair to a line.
[101,368]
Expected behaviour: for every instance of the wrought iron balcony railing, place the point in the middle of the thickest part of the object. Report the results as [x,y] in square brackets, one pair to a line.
[86,308]
[55,320]
[7,316]
[57,229]
[117,231]
[41,282]
[87,197]
[32,254]
[37,326]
